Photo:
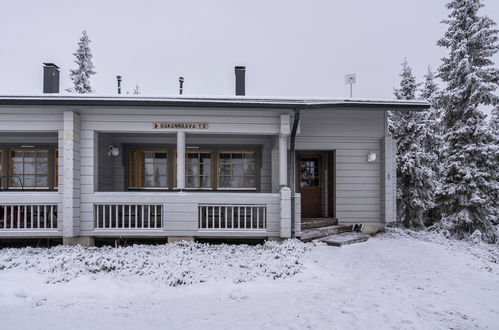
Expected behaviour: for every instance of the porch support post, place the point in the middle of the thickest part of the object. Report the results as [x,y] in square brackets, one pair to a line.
[285,212]
[283,160]
[285,192]
[71,175]
[181,160]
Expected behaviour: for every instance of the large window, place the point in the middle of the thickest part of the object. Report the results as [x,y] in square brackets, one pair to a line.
[148,169]
[237,170]
[198,169]
[29,168]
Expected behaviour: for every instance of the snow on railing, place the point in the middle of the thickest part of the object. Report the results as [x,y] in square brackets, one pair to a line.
[128,216]
[28,217]
[232,217]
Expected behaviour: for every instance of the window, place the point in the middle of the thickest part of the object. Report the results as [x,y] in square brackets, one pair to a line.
[148,168]
[198,169]
[29,168]
[237,170]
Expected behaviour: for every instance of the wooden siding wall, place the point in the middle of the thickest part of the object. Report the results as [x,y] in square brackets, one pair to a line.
[353,134]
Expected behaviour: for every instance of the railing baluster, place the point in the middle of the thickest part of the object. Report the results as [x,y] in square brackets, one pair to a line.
[51,216]
[123,215]
[32,224]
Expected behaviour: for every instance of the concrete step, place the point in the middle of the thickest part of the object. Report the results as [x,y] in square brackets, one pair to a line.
[310,223]
[310,234]
[344,238]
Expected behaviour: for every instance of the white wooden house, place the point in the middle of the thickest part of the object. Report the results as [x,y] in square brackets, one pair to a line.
[82,167]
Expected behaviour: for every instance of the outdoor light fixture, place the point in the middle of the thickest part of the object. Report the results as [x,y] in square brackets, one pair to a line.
[371,157]
[113,151]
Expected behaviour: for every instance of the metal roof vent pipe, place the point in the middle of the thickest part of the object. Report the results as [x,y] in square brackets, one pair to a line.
[240,80]
[181,85]
[118,78]
[50,78]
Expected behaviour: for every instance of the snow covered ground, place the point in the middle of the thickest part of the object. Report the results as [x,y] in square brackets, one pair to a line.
[397,280]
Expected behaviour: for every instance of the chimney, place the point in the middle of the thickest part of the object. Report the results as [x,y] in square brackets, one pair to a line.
[118,78]
[50,78]
[240,80]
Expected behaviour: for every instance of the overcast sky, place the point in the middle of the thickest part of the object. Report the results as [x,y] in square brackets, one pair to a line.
[290,48]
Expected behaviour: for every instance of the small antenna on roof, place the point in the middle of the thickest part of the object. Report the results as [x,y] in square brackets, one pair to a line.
[350,79]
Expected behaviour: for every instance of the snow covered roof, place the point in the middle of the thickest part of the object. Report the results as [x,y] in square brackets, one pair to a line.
[211,101]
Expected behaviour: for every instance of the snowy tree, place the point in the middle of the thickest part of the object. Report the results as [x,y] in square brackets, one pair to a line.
[84,67]
[415,179]
[433,141]
[471,80]
[136,90]
[494,129]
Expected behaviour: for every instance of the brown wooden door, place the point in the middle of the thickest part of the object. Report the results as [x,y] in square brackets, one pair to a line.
[310,185]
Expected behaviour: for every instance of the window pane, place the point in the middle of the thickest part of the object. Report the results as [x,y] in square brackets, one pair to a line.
[225,181]
[148,181]
[206,182]
[29,181]
[249,167]
[236,182]
[42,168]
[161,167]
[192,182]
[29,156]
[160,181]
[41,181]
[29,168]
[149,168]
[249,182]
[43,155]
[17,168]
[225,169]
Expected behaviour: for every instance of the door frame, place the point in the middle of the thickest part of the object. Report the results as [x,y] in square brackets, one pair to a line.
[328,168]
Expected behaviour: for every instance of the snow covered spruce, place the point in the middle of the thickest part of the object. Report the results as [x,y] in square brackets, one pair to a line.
[173,264]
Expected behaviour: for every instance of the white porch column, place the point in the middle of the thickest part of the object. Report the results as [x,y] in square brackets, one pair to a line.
[71,175]
[285,192]
[285,212]
[283,160]
[180,160]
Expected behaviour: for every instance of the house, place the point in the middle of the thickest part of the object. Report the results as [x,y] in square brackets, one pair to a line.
[82,167]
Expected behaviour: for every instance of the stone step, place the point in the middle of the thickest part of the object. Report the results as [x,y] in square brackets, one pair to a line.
[310,223]
[310,234]
[344,238]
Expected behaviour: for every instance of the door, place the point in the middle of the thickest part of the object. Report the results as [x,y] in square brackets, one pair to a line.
[310,185]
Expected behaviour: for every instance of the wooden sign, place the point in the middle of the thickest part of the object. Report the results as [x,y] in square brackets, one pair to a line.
[174,125]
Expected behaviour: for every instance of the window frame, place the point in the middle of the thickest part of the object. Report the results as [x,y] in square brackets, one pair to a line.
[255,175]
[140,170]
[7,169]
[195,151]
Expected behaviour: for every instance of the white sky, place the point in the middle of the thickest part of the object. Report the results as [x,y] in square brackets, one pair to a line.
[290,48]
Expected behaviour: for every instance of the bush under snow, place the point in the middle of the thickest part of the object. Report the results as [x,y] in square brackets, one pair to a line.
[173,264]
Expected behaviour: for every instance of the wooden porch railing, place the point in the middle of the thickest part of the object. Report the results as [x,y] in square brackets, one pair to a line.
[128,216]
[233,217]
[27,217]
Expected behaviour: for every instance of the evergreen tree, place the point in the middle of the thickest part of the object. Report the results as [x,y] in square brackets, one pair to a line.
[415,178]
[84,67]
[494,129]
[433,142]
[471,80]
